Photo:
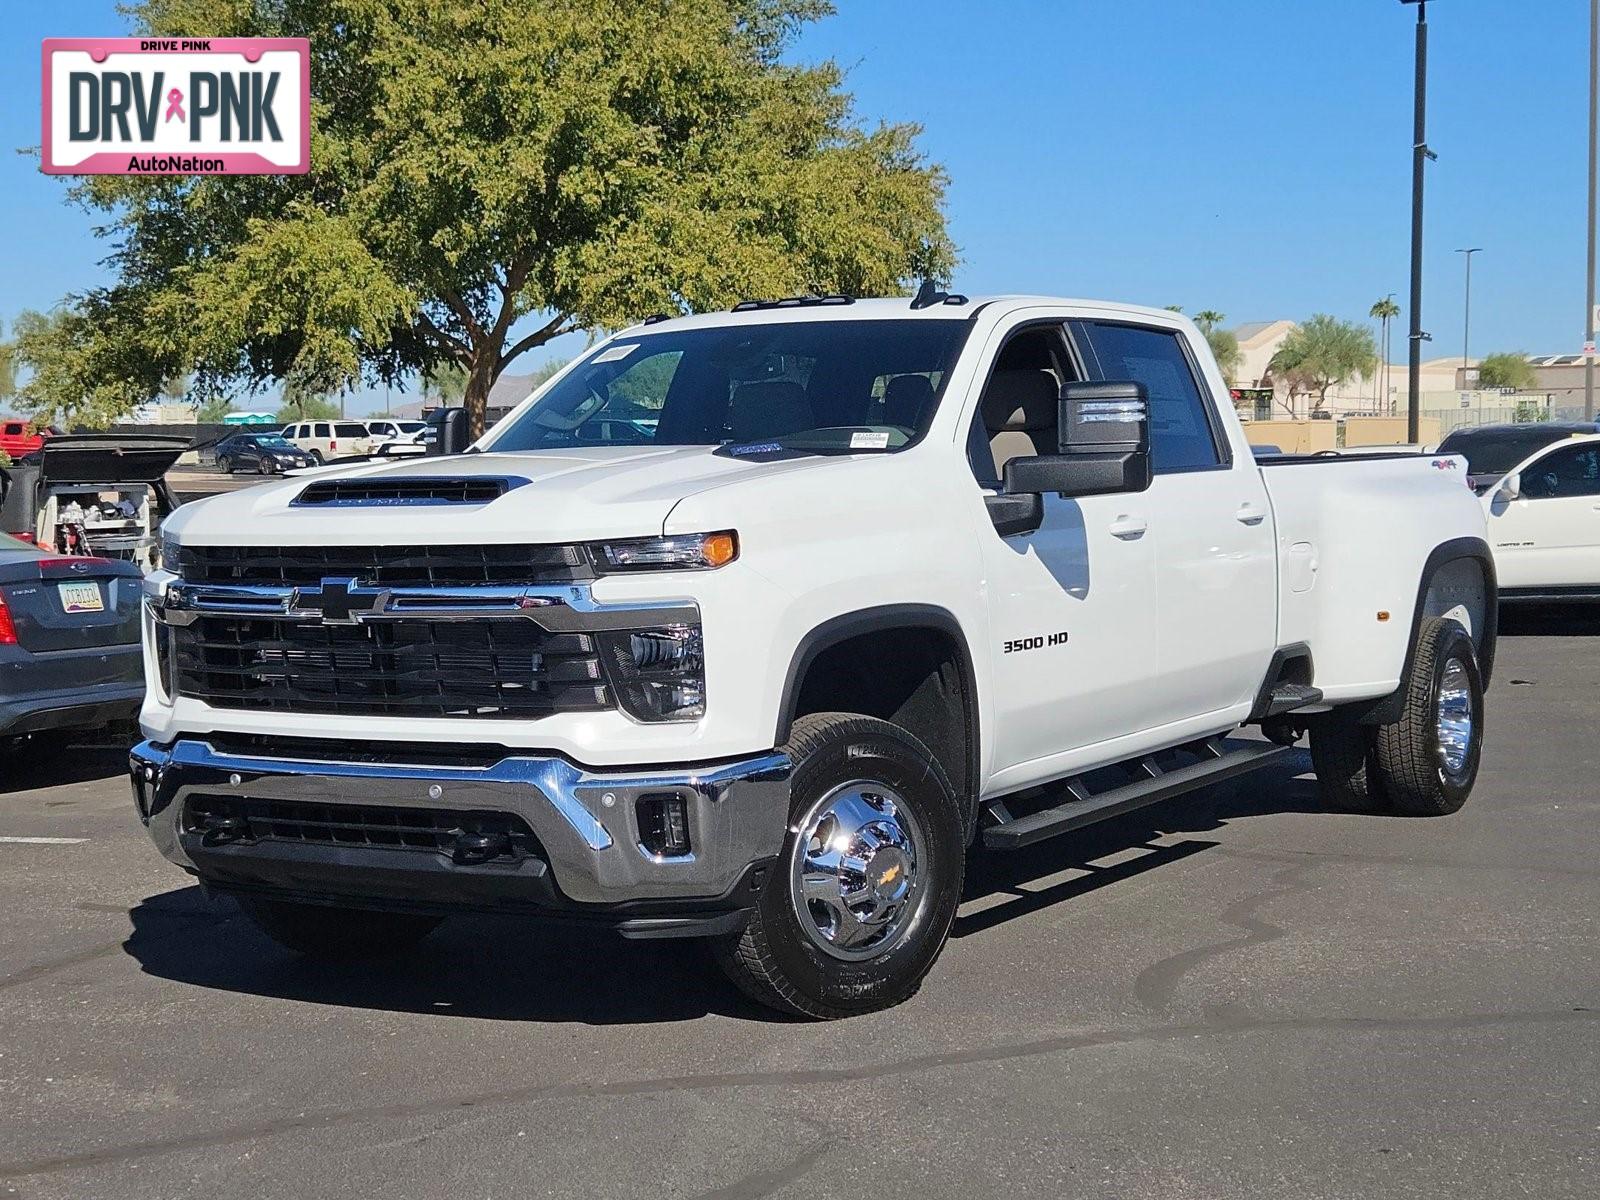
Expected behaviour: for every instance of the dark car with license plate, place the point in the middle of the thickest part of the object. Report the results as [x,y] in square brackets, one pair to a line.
[69,641]
[263,453]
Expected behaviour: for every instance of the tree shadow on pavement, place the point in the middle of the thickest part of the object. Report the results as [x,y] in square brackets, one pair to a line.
[497,968]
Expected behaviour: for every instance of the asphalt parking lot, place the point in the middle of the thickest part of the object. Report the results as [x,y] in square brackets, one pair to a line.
[1231,995]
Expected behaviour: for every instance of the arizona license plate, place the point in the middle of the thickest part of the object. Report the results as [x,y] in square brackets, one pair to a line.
[81,597]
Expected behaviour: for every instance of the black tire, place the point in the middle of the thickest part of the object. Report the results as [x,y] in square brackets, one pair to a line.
[1423,774]
[317,931]
[225,465]
[264,466]
[781,963]
[316,457]
[1342,754]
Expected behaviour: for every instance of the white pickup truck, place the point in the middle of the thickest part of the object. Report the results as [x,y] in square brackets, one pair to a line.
[748,624]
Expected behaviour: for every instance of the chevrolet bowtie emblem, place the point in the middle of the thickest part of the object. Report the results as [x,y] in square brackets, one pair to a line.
[339,601]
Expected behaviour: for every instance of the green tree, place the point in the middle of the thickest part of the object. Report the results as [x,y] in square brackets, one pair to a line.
[1384,311]
[1223,342]
[1507,370]
[1322,353]
[8,369]
[77,370]
[484,165]
[213,408]
[447,382]
[304,402]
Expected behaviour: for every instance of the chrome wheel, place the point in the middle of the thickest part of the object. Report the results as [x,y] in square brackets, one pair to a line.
[854,876]
[1454,718]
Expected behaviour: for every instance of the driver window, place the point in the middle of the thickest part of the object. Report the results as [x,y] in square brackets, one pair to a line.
[1574,471]
[1017,415]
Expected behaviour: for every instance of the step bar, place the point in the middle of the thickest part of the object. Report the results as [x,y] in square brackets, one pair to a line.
[1086,807]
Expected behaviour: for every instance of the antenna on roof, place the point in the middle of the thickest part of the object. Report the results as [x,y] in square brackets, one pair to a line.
[929,295]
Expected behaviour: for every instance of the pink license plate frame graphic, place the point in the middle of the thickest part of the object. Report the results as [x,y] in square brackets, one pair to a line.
[174,157]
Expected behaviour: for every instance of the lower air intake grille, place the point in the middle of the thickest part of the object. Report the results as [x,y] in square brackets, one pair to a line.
[465,836]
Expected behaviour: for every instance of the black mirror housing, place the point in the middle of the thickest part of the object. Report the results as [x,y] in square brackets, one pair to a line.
[1096,474]
[1097,418]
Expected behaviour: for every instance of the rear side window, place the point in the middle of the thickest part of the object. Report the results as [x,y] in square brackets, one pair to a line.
[1574,471]
[1182,437]
[349,429]
[320,430]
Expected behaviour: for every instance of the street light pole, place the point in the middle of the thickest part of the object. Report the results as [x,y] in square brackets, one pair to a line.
[1466,313]
[1420,154]
[1594,91]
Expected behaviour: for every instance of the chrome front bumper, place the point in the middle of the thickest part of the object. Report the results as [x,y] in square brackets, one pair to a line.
[586,822]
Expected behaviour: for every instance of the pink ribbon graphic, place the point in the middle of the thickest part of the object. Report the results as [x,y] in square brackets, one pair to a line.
[174,106]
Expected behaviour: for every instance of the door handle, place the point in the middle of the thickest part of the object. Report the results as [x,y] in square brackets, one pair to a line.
[1128,528]
[1249,514]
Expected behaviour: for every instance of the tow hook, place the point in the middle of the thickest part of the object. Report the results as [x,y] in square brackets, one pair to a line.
[217,828]
[472,847]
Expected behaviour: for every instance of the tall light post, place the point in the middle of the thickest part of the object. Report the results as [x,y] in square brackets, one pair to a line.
[1420,154]
[1466,313]
[1594,124]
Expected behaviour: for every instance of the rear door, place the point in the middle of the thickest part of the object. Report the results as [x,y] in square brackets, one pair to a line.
[1210,527]
[1549,536]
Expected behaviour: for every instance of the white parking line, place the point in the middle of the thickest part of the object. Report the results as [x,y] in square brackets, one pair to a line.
[42,841]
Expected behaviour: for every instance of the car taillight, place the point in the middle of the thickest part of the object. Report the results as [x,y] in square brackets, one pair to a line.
[8,631]
[333,445]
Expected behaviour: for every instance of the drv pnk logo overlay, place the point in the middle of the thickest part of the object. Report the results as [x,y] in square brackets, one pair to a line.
[177,106]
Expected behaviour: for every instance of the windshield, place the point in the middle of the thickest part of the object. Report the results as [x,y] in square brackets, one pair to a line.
[819,386]
[275,443]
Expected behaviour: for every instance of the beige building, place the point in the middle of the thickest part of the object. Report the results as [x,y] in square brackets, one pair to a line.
[1363,395]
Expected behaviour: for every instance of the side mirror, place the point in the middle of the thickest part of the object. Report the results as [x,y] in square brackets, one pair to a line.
[447,432]
[1103,441]
[1510,487]
[1103,445]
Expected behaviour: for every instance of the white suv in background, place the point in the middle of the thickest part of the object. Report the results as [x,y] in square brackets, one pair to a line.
[387,429]
[328,440]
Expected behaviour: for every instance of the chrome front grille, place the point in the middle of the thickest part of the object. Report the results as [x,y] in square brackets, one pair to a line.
[412,667]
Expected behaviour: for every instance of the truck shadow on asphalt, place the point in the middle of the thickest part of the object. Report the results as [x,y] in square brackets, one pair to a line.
[41,764]
[1002,887]
[1552,620]
[511,969]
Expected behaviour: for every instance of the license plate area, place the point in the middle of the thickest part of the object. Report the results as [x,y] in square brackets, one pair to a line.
[80,598]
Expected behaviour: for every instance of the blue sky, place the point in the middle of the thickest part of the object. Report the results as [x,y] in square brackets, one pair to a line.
[1250,156]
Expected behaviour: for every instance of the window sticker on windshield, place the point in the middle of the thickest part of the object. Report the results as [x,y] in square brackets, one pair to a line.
[870,440]
[616,352]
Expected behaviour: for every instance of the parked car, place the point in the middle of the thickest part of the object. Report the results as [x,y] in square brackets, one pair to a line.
[875,581]
[263,453]
[389,429]
[19,438]
[69,641]
[1540,488]
[97,494]
[326,441]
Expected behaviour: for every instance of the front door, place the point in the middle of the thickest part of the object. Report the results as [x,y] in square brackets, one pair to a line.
[1071,605]
[1211,528]
[1549,536]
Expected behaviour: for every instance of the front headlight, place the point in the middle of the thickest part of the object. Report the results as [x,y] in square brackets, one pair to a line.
[659,674]
[679,552]
[169,553]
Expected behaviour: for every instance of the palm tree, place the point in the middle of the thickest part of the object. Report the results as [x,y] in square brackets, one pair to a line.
[1208,319]
[1385,310]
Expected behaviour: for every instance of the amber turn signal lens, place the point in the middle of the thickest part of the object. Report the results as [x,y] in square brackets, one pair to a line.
[719,549]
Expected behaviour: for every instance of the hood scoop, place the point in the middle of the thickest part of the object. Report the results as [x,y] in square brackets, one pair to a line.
[406,490]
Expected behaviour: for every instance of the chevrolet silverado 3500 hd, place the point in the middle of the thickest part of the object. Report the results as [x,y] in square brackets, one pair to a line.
[747,624]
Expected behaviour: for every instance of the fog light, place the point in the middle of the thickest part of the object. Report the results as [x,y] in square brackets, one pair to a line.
[664,825]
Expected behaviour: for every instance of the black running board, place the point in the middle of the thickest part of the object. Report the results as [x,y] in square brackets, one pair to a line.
[1085,808]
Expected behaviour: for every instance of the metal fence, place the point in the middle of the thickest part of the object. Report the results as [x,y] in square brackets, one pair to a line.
[1518,408]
